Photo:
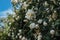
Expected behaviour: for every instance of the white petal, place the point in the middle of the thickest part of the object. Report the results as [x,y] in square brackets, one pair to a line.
[45,23]
[52,32]
[40,21]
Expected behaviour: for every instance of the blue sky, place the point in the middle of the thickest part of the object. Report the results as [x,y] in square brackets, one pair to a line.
[5,6]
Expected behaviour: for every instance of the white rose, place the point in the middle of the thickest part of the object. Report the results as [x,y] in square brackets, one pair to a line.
[33,25]
[35,35]
[52,32]
[45,3]
[25,5]
[17,17]
[16,36]
[39,36]
[12,36]
[20,36]
[12,33]
[8,34]
[25,20]
[36,26]
[10,23]
[45,23]
[24,38]
[40,21]
[30,14]
[20,31]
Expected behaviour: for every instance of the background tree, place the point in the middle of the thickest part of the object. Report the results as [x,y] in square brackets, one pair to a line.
[4,27]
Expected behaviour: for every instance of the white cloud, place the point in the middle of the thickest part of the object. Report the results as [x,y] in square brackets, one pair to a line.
[4,13]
